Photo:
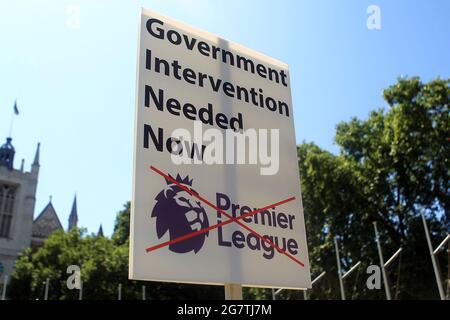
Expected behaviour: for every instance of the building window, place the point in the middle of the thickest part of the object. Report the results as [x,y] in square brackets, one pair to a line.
[7,197]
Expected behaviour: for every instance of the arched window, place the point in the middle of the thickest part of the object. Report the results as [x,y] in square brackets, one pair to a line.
[7,201]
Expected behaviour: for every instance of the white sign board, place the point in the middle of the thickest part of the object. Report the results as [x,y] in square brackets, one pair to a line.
[216,189]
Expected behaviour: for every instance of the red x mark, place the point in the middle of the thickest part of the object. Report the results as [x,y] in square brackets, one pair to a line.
[231,219]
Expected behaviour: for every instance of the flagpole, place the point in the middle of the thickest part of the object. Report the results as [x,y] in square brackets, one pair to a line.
[15,112]
[11,124]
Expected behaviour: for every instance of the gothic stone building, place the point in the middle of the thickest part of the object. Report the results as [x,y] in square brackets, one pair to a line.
[17,200]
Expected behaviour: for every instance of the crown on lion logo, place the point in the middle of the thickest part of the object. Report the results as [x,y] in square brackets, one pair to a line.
[184,181]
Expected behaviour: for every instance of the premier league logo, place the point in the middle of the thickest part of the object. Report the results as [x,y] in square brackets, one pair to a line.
[179,213]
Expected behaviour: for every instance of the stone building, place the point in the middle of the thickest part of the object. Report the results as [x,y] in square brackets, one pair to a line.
[17,200]
[17,203]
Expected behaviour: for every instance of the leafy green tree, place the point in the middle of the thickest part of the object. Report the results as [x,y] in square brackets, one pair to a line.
[391,166]
[401,160]
[331,199]
[102,267]
[121,232]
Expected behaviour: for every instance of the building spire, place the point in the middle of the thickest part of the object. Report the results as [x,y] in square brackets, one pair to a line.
[73,218]
[100,231]
[36,156]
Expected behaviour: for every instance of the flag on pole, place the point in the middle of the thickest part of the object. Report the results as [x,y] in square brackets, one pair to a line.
[16,110]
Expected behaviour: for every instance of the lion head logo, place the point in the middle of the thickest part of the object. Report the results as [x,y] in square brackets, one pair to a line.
[179,213]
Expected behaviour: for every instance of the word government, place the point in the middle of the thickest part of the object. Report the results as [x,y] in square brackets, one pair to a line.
[214,146]
[156,29]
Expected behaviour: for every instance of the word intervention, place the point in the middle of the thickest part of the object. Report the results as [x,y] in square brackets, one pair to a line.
[214,146]
[266,218]
[254,96]
[155,28]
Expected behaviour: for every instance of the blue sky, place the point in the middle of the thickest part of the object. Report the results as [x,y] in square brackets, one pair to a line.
[75,86]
